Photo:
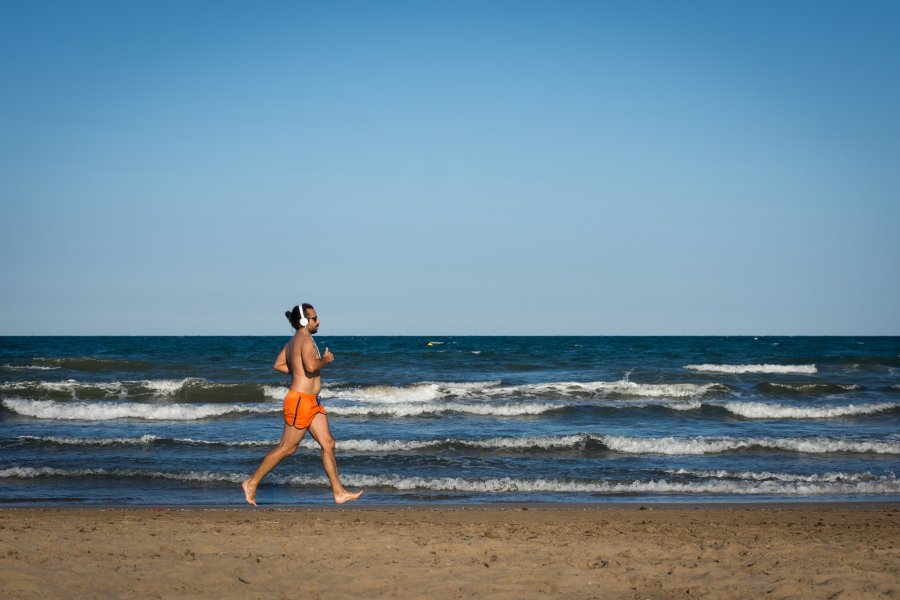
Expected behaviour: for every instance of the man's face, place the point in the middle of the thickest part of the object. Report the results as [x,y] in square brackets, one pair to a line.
[313,321]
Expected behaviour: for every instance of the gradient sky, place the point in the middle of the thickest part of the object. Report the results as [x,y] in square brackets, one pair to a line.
[596,168]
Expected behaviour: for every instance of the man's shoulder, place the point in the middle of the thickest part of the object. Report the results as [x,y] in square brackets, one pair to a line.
[302,340]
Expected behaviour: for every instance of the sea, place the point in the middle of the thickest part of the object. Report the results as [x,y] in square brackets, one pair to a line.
[116,421]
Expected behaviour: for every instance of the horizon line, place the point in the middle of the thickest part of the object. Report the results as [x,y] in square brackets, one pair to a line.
[174,335]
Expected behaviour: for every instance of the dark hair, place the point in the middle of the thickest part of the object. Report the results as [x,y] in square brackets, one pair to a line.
[293,315]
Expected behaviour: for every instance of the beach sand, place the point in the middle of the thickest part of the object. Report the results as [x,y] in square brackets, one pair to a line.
[671,551]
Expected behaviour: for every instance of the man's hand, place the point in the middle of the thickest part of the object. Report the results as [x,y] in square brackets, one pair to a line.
[328,356]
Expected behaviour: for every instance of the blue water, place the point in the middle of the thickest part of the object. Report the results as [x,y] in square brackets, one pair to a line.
[182,420]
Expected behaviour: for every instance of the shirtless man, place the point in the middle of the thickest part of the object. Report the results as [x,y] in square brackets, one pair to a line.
[302,409]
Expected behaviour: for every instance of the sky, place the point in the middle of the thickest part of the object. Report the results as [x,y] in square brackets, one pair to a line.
[450,168]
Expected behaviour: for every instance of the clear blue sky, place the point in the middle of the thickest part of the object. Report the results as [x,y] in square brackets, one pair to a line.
[450,167]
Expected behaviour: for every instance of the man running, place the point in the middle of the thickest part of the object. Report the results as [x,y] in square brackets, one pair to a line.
[302,409]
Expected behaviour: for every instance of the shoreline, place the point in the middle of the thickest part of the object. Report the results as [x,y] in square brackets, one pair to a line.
[776,550]
[9,505]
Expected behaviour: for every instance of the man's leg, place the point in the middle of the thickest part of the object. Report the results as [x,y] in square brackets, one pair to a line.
[320,430]
[290,439]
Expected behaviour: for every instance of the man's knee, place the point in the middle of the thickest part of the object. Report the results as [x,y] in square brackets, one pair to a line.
[288,449]
[327,444]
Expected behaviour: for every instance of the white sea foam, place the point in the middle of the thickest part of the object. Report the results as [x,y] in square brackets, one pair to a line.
[103,411]
[621,388]
[382,445]
[830,477]
[423,392]
[691,405]
[814,387]
[113,389]
[746,484]
[72,441]
[146,439]
[434,391]
[624,444]
[760,410]
[540,441]
[35,472]
[342,445]
[29,368]
[275,392]
[418,392]
[168,387]
[70,386]
[766,368]
[412,410]
[884,485]
[711,445]
[497,443]
[360,445]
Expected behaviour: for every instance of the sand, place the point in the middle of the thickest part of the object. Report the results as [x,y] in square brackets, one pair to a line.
[673,551]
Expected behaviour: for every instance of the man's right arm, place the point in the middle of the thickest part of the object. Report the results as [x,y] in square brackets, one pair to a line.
[310,357]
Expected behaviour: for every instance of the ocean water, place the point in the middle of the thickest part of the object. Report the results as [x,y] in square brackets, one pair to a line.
[182,420]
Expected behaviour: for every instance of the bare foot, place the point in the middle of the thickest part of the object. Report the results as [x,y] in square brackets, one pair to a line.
[249,492]
[347,496]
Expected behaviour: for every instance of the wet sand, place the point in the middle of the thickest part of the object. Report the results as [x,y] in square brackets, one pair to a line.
[608,551]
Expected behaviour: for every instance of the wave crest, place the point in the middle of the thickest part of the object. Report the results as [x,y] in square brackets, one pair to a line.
[807,388]
[719,483]
[434,391]
[413,410]
[760,410]
[830,477]
[711,445]
[764,368]
[578,442]
[190,389]
[104,411]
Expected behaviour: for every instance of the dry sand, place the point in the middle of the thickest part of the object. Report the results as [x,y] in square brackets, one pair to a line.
[752,551]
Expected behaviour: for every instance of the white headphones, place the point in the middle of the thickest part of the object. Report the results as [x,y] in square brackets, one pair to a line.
[303,320]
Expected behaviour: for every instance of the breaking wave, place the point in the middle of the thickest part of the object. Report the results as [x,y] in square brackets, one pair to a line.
[807,388]
[559,443]
[713,482]
[738,369]
[413,410]
[431,391]
[66,389]
[830,477]
[418,392]
[103,411]
[194,389]
[712,445]
[73,441]
[760,410]
[881,485]
[622,389]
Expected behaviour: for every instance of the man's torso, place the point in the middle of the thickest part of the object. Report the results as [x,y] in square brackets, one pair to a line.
[302,380]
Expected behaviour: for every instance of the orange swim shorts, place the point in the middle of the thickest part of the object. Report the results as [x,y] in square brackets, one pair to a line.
[300,409]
